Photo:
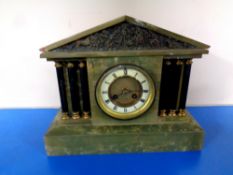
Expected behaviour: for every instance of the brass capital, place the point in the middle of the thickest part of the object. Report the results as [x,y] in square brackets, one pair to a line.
[188,62]
[57,65]
[179,62]
[81,65]
[70,65]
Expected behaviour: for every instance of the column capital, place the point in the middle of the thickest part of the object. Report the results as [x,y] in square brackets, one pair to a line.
[188,62]
[58,65]
[81,65]
[70,65]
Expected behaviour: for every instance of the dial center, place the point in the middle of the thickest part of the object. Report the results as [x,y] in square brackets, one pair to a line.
[125,91]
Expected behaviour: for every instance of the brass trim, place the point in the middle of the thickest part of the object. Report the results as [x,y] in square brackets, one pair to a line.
[172,113]
[123,53]
[58,65]
[134,114]
[188,62]
[179,63]
[81,65]
[70,65]
[182,112]
[64,116]
[163,113]
[85,115]
[75,115]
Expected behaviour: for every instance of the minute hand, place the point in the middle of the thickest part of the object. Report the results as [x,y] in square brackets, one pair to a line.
[126,92]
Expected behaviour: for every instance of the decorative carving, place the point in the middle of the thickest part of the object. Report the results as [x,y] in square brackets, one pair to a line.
[124,36]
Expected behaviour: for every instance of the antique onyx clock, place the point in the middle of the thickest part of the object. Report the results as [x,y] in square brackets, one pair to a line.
[123,88]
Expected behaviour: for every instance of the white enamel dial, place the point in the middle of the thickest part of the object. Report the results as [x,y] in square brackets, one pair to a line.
[125,91]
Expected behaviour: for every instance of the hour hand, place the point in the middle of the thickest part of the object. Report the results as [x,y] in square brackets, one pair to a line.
[115,96]
[123,92]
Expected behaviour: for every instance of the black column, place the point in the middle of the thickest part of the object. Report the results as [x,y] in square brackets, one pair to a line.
[170,83]
[84,89]
[62,90]
[184,88]
[74,90]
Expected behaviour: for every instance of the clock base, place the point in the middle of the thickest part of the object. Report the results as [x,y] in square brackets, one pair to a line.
[72,137]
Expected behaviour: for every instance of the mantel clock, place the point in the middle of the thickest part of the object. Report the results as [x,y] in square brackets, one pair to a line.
[123,88]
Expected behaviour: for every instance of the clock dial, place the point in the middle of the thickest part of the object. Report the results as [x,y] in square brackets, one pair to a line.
[125,91]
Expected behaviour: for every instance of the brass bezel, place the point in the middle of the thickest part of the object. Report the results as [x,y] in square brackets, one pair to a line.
[133,114]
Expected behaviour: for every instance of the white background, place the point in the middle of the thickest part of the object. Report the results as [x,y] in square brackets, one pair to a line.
[27,25]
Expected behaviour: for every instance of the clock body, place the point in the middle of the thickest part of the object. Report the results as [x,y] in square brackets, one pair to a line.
[125,91]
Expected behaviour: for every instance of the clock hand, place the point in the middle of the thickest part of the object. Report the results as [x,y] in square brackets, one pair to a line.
[125,91]
[128,91]
[134,96]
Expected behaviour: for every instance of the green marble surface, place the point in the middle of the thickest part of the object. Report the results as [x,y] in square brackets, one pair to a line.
[96,68]
[87,137]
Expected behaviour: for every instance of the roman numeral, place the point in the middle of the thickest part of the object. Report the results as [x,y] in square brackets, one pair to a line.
[142,100]
[106,82]
[107,101]
[114,75]
[143,81]
[135,75]
[115,108]
[125,71]
[104,92]
[125,109]
[145,91]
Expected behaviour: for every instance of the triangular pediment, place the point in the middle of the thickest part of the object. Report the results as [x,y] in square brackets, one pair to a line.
[124,34]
